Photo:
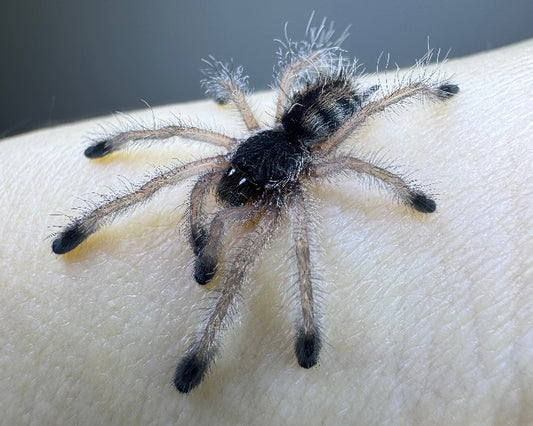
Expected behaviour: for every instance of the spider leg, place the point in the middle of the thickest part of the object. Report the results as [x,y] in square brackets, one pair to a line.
[236,95]
[308,341]
[124,139]
[200,191]
[81,228]
[193,367]
[413,90]
[410,196]
[207,260]
[226,84]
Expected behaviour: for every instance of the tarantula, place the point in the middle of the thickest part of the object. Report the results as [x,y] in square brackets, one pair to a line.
[264,176]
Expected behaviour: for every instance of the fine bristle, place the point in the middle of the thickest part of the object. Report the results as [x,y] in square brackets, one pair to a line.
[307,349]
[68,240]
[98,150]
[422,203]
[190,373]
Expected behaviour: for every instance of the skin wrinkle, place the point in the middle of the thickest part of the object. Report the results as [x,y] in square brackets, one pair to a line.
[479,312]
[116,357]
[462,309]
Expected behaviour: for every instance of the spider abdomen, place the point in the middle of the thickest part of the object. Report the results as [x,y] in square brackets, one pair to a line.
[317,111]
[264,161]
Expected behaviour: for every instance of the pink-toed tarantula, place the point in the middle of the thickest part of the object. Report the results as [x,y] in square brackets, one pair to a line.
[264,176]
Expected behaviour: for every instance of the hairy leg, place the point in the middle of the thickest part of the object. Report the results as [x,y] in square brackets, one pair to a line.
[308,341]
[81,228]
[227,84]
[195,364]
[409,195]
[207,260]
[200,191]
[237,97]
[125,139]
[441,91]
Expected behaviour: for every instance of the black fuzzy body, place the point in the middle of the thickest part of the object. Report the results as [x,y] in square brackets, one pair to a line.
[261,167]
[267,161]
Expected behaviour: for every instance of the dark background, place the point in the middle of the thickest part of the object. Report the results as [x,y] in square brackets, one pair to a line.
[64,60]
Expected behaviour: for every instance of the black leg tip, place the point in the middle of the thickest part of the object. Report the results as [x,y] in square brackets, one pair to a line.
[307,349]
[221,99]
[422,203]
[98,150]
[68,240]
[189,373]
[205,269]
[448,90]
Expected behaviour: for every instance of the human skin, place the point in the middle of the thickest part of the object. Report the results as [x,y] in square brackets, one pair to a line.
[426,318]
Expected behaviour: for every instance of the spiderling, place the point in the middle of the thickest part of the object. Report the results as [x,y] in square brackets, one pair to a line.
[263,177]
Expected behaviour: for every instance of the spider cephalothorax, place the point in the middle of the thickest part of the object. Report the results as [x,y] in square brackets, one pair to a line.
[264,176]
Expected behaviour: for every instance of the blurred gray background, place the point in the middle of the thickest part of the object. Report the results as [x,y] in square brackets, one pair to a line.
[65,60]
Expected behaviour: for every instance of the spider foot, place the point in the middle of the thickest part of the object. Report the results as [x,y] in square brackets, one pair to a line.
[422,203]
[448,90]
[307,348]
[190,372]
[69,239]
[99,149]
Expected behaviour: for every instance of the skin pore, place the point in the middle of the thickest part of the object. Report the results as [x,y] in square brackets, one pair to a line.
[426,318]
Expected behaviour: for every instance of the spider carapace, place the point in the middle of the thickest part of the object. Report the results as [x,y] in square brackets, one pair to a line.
[264,176]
